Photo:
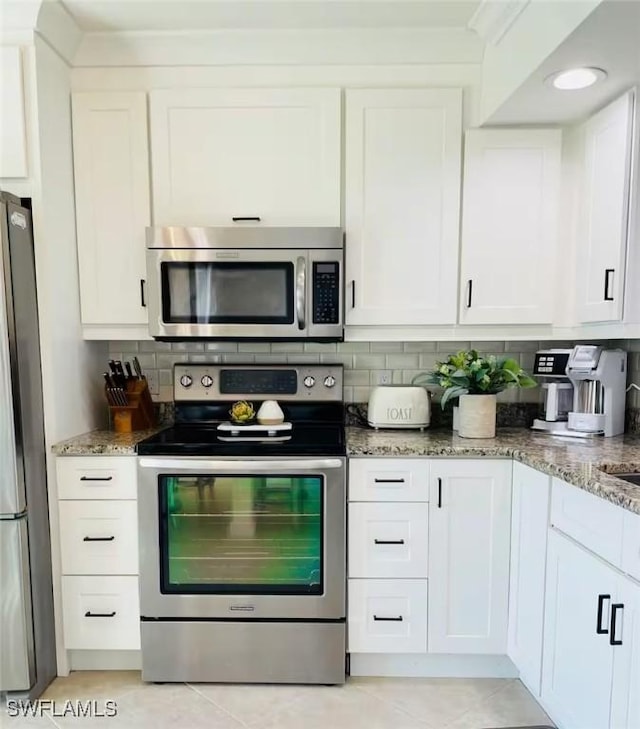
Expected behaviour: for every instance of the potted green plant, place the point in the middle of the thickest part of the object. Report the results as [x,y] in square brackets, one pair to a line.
[475,380]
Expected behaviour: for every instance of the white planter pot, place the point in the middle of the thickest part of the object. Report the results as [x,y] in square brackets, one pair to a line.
[456,418]
[477,418]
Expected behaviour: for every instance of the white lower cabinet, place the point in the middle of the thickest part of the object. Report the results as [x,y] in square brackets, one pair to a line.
[101,613]
[529,526]
[387,616]
[469,527]
[388,540]
[585,615]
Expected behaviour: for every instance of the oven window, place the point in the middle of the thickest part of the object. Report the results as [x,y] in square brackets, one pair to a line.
[227,293]
[243,535]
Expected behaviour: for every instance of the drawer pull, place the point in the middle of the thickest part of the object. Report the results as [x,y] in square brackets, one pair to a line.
[599,629]
[89,614]
[388,480]
[399,619]
[614,614]
[388,541]
[96,478]
[99,539]
[439,493]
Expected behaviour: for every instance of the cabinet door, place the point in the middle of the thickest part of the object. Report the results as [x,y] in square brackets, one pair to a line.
[270,154]
[529,524]
[509,225]
[402,197]
[111,165]
[577,661]
[603,218]
[625,706]
[470,510]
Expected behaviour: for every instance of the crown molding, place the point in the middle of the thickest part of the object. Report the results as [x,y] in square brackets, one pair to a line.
[493,18]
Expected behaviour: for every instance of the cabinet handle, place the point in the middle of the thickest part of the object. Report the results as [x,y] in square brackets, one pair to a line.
[614,614]
[399,619]
[388,480]
[99,539]
[96,478]
[89,614]
[143,284]
[607,273]
[599,629]
[247,219]
[469,292]
[353,294]
[388,541]
[439,493]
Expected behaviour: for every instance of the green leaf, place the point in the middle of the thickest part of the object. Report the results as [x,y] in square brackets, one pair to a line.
[452,392]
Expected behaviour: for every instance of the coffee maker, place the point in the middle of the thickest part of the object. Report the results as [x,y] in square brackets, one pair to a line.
[550,367]
[584,391]
[599,379]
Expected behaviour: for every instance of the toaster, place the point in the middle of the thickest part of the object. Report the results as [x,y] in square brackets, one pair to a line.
[399,406]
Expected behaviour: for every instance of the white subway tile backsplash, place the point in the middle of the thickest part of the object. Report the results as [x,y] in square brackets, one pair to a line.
[356,377]
[124,346]
[221,347]
[386,346]
[238,358]
[187,346]
[452,347]
[521,346]
[361,394]
[420,346]
[320,347]
[168,360]
[369,361]
[346,360]
[254,347]
[153,346]
[287,347]
[353,347]
[303,358]
[402,361]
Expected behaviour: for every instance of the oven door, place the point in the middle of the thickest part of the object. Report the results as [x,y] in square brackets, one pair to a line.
[226,292]
[239,539]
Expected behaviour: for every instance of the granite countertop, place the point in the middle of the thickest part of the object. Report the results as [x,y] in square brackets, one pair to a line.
[575,461]
[104,443]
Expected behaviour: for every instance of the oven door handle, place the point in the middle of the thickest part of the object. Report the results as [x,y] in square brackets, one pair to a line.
[248,466]
[301,291]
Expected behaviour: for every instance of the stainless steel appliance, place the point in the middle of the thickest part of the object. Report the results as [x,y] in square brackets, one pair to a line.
[27,643]
[599,378]
[247,282]
[242,537]
[399,406]
[550,367]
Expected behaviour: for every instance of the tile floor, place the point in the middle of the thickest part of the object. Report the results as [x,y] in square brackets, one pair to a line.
[363,703]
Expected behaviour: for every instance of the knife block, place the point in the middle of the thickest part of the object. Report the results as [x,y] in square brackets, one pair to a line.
[138,414]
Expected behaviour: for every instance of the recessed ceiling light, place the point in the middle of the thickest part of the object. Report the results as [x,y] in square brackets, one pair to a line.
[575,78]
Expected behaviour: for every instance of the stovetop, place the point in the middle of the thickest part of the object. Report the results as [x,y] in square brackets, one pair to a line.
[307,439]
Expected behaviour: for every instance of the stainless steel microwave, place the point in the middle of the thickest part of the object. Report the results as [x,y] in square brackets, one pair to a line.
[245,283]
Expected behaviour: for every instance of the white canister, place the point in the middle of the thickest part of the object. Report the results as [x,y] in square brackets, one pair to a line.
[270,413]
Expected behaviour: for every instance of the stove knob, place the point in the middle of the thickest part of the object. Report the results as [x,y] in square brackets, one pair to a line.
[186,380]
[309,381]
[206,381]
[329,381]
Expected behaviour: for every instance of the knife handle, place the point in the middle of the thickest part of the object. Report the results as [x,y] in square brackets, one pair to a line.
[127,366]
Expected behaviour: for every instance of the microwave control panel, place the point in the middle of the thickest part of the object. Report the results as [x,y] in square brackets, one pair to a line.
[326,296]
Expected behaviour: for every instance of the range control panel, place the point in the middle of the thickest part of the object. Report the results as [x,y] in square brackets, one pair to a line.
[326,288]
[208,382]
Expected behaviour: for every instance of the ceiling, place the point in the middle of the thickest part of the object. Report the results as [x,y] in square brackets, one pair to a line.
[184,15]
[609,38]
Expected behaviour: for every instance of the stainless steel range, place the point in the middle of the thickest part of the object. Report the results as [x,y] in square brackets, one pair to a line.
[242,533]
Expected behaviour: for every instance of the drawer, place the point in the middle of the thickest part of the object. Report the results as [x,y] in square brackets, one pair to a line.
[388,479]
[99,537]
[388,540]
[387,616]
[101,613]
[631,544]
[590,520]
[97,477]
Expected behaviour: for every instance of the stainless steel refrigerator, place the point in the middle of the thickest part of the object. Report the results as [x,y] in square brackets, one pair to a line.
[27,639]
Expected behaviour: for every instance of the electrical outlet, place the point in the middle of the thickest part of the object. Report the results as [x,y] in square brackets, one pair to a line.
[384,377]
[152,382]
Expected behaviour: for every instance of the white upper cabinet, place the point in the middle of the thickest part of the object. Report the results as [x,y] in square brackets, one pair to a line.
[13,144]
[469,519]
[111,166]
[266,154]
[402,198]
[603,215]
[509,226]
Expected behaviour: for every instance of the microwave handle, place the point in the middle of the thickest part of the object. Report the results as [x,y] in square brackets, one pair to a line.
[301,291]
